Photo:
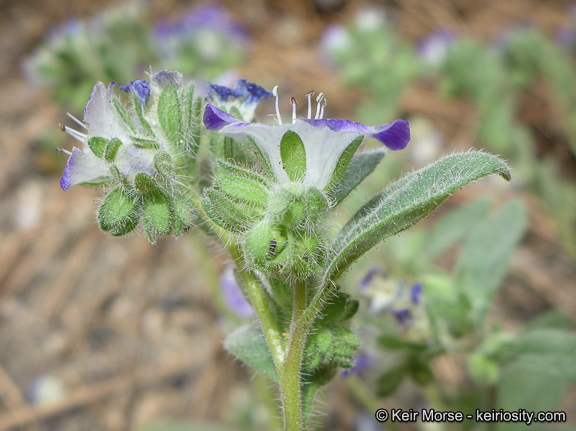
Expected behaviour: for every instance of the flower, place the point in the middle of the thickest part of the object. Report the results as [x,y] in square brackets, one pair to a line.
[103,119]
[434,48]
[233,296]
[245,96]
[324,140]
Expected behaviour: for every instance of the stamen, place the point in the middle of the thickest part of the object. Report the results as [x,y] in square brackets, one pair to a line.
[76,120]
[62,150]
[309,97]
[294,104]
[319,101]
[278,117]
[76,134]
[324,103]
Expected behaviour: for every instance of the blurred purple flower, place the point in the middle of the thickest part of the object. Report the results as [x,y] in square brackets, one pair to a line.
[233,295]
[362,362]
[213,17]
[434,48]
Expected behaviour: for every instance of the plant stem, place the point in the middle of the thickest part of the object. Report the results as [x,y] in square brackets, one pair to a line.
[289,372]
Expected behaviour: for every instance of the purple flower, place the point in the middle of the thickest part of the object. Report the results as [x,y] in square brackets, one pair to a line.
[362,362]
[103,120]
[141,87]
[245,96]
[233,295]
[324,139]
[210,17]
[434,48]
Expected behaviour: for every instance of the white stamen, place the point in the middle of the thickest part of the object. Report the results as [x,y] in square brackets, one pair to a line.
[319,102]
[324,103]
[278,117]
[76,134]
[62,150]
[76,120]
[309,97]
[294,104]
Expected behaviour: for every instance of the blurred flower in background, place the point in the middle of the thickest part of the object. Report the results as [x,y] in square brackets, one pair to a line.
[233,296]
[434,48]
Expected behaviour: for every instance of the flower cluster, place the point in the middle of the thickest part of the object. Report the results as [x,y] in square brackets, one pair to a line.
[138,152]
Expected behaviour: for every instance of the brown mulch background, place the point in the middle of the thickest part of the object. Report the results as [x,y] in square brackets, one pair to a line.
[131,329]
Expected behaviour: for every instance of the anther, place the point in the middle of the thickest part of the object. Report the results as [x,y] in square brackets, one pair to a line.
[309,97]
[294,105]
[324,103]
[278,117]
[62,150]
[62,127]
[319,102]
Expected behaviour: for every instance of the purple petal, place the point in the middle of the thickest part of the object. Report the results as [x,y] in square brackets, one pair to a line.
[65,179]
[403,316]
[234,297]
[365,282]
[395,136]
[215,119]
[141,87]
[362,362]
[416,293]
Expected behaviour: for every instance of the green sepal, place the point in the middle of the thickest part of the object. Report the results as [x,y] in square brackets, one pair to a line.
[163,164]
[112,149]
[316,203]
[294,215]
[344,162]
[189,118]
[242,172]
[156,215]
[407,201]
[182,213]
[345,344]
[243,189]
[151,144]
[169,114]
[144,183]
[119,178]
[98,145]
[139,107]
[128,227]
[123,114]
[293,156]
[248,344]
[257,242]
[117,211]
[226,213]
[360,167]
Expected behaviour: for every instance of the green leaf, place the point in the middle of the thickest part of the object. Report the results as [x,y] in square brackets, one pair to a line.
[293,156]
[360,167]
[242,172]
[344,161]
[390,380]
[98,145]
[455,226]
[483,261]
[249,345]
[407,201]
[169,114]
[243,189]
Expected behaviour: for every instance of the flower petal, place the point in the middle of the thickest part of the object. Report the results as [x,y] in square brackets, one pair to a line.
[215,119]
[141,87]
[82,167]
[101,116]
